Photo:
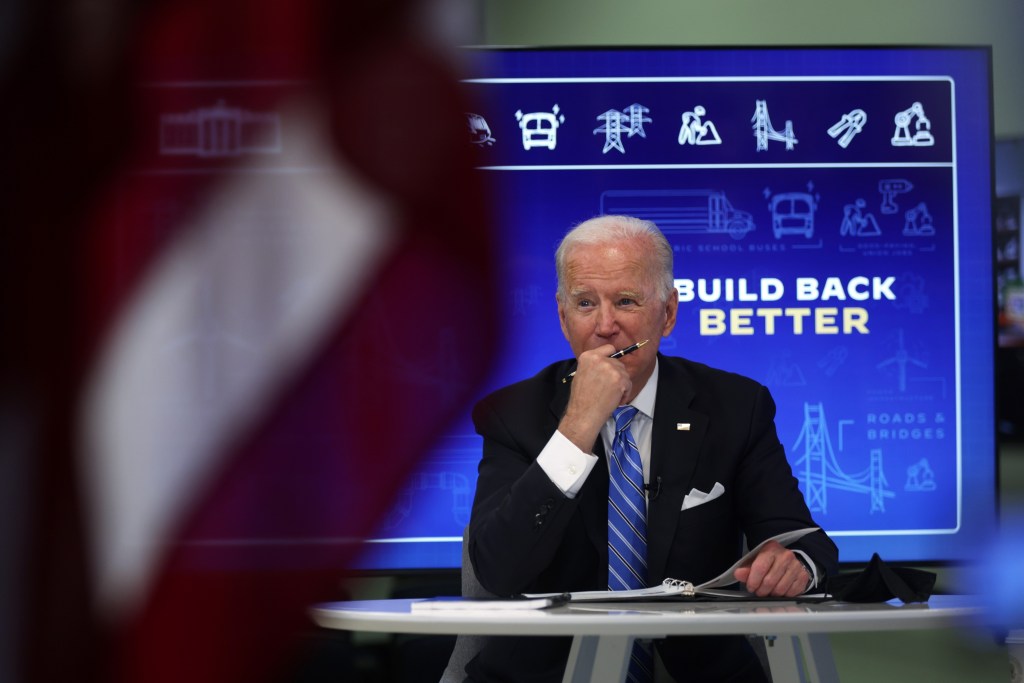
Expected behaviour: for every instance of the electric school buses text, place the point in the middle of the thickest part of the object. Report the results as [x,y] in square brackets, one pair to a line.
[815,226]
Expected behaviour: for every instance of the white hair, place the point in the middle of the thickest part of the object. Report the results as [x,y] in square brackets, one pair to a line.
[605,229]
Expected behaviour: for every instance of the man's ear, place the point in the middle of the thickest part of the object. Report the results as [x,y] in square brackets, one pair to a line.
[561,316]
[671,309]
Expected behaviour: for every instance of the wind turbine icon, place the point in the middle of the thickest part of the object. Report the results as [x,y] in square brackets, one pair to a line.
[901,359]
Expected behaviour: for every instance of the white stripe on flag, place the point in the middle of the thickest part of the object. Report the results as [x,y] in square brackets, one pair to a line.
[230,309]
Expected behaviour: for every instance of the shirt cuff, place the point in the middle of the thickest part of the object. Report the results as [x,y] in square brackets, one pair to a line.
[565,464]
[812,568]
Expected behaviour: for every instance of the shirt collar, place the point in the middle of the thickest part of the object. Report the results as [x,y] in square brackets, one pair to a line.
[644,401]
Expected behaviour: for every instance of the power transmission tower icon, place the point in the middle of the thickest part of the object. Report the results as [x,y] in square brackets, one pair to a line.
[819,470]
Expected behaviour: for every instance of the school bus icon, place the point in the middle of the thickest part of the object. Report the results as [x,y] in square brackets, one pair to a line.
[540,128]
[681,211]
[793,214]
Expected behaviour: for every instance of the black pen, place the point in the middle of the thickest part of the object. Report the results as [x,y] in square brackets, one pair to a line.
[618,354]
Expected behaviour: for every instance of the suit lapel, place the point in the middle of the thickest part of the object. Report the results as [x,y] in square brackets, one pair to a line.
[675,443]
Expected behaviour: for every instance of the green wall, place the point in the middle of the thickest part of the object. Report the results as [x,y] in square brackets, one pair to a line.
[999,23]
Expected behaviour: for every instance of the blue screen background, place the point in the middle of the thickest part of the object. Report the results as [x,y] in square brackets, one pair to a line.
[888,418]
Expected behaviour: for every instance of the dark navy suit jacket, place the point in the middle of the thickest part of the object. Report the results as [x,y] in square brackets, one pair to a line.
[525,535]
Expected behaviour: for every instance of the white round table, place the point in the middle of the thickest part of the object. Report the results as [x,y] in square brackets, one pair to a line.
[603,633]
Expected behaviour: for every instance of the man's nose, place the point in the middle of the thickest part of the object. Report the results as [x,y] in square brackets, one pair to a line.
[607,322]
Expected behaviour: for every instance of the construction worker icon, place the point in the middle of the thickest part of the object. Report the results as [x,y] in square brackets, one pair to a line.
[695,131]
[856,223]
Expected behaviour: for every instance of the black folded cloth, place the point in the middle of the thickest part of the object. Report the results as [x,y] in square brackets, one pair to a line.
[878,582]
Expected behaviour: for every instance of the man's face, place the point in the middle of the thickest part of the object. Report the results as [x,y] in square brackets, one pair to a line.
[612,297]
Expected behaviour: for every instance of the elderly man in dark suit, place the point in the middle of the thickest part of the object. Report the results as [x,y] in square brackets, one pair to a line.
[541,515]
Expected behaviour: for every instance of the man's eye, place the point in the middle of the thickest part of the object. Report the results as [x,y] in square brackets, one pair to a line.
[584,303]
[627,302]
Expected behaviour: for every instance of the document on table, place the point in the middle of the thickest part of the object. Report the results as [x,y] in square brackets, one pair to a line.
[678,588]
[458,604]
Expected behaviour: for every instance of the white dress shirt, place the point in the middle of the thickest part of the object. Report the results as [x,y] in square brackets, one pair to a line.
[568,466]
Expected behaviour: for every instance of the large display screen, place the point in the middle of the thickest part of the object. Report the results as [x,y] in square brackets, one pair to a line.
[830,211]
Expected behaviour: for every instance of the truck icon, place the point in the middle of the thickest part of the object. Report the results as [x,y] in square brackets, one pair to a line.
[793,214]
[679,212]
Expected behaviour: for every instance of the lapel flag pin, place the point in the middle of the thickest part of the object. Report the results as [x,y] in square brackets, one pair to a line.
[682,426]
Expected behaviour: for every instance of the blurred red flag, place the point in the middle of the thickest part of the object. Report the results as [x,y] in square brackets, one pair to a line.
[258,276]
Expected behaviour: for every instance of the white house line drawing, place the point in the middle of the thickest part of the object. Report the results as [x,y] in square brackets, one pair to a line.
[220,131]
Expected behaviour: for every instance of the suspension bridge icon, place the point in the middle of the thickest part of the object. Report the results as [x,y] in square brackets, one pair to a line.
[764,132]
[819,470]
[921,137]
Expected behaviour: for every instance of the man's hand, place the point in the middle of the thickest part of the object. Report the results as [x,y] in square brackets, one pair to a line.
[775,572]
[598,388]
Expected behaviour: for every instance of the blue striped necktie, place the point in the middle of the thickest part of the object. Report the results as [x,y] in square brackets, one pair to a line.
[627,529]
